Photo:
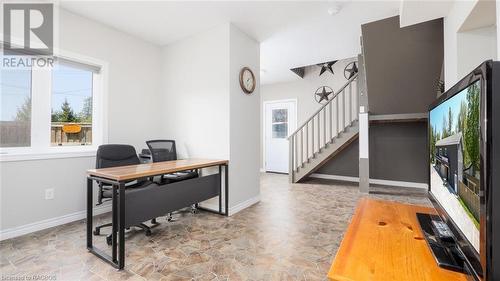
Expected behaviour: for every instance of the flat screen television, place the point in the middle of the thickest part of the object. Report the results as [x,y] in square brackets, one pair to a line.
[464,144]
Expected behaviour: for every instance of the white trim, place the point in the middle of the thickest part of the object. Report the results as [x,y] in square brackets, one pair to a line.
[396,117]
[235,209]
[243,205]
[400,183]
[42,155]
[264,103]
[48,223]
[372,181]
[334,177]
[40,141]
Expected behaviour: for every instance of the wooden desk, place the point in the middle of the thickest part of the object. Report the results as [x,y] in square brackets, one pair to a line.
[153,169]
[142,204]
[384,242]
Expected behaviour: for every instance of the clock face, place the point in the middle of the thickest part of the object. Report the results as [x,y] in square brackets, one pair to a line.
[247,80]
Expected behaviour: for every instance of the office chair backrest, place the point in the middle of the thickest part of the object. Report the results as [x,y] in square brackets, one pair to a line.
[114,155]
[162,150]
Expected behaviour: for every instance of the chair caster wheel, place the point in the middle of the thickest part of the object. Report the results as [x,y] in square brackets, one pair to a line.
[194,211]
[148,232]
[97,231]
[109,240]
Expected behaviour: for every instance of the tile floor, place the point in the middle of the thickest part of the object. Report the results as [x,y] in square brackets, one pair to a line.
[292,234]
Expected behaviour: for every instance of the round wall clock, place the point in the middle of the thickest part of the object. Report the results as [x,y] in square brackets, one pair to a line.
[247,80]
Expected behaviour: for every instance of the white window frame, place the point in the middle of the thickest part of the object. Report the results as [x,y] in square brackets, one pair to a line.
[41,96]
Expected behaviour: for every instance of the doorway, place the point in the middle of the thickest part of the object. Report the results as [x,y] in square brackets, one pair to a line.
[280,120]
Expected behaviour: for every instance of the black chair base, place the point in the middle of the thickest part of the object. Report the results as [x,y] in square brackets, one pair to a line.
[109,238]
[97,230]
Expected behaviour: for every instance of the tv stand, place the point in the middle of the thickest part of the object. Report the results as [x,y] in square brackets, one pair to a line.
[446,251]
[384,241]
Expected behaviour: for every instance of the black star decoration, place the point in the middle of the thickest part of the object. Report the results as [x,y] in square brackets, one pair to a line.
[323,95]
[349,72]
[326,66]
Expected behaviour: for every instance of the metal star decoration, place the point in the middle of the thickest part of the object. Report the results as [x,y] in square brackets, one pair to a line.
[322,93]
[350,70]
[326,66]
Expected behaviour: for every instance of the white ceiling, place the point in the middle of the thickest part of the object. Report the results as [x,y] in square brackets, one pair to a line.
[292,33]
[413,12]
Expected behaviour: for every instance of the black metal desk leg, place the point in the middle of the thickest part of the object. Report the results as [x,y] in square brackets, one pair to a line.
[89,212]
[220,189]
[114,221]
[121,226]
[226,186]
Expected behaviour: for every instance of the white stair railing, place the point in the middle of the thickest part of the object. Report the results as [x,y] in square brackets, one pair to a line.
[323,126]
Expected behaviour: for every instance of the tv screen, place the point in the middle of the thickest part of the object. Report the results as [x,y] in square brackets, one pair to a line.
[454,141]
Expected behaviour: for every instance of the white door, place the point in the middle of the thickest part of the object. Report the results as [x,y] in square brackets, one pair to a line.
[280,122]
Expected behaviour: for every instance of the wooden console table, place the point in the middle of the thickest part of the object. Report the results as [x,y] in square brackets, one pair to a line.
[384,242]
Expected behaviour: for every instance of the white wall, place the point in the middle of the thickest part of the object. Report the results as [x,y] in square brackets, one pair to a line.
[452,23]
[461,54]
[303,90]
[474,47]
[206,111]
[134,116]
[196,94]
[244,121]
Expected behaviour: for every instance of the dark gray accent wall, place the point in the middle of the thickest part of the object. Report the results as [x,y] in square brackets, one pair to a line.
[343,164]
[398,152]
[402,65]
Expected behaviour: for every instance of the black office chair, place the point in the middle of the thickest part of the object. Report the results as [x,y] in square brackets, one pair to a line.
[115,155]
[164,150]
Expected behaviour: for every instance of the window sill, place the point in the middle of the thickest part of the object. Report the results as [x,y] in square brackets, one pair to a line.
[56,153]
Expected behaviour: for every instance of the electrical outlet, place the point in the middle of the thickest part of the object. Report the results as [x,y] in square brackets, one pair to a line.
[49,194]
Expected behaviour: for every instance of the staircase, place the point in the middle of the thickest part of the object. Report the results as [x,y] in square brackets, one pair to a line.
[327,132]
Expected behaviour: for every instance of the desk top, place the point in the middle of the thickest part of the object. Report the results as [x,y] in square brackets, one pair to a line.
[151,169]
[384,242]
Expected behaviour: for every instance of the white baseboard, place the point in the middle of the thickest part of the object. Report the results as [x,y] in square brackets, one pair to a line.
[235,209]
[333,177]
[373,181]
[48,223]
[243,205]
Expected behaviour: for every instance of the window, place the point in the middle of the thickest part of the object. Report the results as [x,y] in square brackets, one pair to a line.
[280,123]
[51,109]
[71,111]
[15,97]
